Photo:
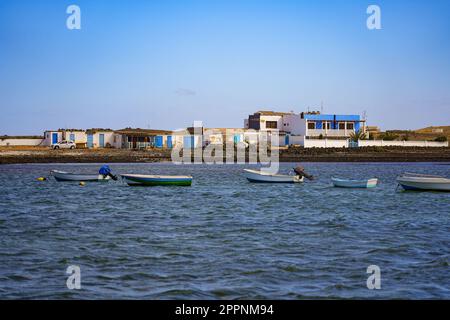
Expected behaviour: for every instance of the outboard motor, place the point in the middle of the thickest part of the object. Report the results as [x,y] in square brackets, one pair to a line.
[300,171]
[105,171]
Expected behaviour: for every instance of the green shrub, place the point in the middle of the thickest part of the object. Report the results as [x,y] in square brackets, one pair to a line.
[441,139]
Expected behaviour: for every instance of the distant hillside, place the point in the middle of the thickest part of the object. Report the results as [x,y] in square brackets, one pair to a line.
[428,133]
[445,130]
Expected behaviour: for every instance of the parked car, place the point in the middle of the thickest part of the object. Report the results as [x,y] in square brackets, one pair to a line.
[64,145]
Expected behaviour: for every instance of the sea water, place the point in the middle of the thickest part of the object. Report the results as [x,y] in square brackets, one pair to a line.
[223,237]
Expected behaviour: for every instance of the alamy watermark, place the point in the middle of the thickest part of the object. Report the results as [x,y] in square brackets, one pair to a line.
[209,147]
[374,280]
[74,279]
[73,22]
[374,20]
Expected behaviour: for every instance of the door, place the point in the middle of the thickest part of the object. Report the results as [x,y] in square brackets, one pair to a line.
[54,138]
[286,140]
[187,142]
[90,140]
[169,141]
[159,141]
[101,140]
[72,137]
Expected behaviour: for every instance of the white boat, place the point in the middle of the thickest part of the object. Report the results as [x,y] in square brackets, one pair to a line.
[67,176]
[345,183]
[259,176]
[156,180]
[415,181]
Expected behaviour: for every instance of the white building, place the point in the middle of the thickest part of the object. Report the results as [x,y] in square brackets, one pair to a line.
[75,135]
[266,121]
[102,138]
[302,129]
[52,137]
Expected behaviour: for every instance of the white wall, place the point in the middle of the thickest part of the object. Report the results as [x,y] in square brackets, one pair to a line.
[20,142]
[109,138]
[294,124]
[297,140]
[80,136]
[382,143]
[325,143]
[264,119]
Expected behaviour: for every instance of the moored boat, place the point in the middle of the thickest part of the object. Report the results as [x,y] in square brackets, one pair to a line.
[260,176]
[346,183]
[415,181]
[156,180]
[67,176]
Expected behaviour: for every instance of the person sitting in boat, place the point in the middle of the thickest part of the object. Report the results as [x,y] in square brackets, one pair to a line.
[300,171]
[105,171]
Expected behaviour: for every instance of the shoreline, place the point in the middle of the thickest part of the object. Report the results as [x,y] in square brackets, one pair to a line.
[373,154]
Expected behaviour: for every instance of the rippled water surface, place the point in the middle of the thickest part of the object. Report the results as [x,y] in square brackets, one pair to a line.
[223,237]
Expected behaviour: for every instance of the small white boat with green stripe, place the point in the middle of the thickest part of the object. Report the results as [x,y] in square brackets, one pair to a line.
[156,180]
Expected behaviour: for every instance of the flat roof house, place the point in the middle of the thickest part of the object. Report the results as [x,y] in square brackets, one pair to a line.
[332,125]
[294,128]
[52,137]
[137,138]
[75,135]
[266,120]
[100,138]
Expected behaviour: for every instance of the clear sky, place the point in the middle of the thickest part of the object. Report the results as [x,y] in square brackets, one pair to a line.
[164,64]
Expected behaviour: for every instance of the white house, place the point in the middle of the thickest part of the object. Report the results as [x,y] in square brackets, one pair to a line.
[304,128]
[52,136]
[75,135]
[101,138]
[266,121]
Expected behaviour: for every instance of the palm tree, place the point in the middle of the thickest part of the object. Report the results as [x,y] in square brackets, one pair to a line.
[357,135]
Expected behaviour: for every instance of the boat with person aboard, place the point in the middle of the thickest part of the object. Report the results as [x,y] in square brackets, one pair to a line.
[104,174]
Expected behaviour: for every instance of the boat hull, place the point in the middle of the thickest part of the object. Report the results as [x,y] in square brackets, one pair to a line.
[154,180]
[424,184]
[67,176]
[341,183]
[261,177]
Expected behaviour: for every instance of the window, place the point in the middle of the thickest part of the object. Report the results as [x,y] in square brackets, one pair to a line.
[326,125]
[350,125]
[271,124]
[311,125]
[341,125]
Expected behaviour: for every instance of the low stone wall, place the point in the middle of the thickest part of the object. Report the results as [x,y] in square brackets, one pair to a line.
[383,143]
[11,142]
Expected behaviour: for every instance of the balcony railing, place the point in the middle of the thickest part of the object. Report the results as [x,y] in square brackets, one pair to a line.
[139,145]
[329,132]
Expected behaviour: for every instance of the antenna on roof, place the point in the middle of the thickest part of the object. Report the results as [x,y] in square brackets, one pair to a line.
[364,115]
[321,107]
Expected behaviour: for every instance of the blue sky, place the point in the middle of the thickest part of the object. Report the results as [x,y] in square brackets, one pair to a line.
[164,64]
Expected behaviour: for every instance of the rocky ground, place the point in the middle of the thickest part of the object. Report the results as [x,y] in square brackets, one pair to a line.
[369,154]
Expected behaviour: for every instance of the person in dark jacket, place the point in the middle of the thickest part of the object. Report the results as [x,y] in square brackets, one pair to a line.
[105,171]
